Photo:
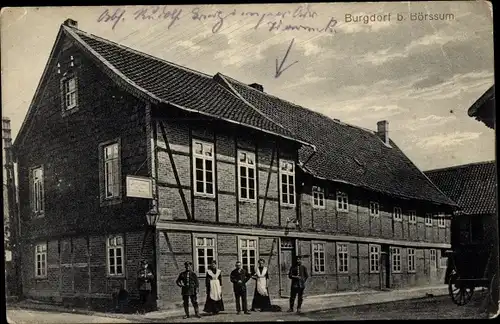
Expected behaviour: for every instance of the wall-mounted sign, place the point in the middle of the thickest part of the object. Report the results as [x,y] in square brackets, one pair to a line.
[139,187]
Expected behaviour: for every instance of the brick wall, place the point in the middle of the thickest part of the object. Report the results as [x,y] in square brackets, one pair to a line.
[67,148]
[77,267]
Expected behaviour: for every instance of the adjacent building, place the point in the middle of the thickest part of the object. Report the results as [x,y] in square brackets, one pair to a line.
[238,174]
[484,108]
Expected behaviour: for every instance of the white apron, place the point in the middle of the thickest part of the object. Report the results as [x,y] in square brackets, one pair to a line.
[261,281]
[215,288]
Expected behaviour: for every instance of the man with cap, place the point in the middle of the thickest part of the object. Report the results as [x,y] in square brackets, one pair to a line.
[145,279]
[188,281]
[298,275]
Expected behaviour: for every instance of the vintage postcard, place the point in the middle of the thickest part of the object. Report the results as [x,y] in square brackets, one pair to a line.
[249,162]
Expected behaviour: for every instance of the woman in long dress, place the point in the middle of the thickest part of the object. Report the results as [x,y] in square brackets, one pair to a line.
[261,298]
[214,303]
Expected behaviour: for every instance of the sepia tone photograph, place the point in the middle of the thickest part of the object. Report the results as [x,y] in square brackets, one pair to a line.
[249,162]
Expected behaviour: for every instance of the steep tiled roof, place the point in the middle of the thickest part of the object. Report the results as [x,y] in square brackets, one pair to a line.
[471,186]
[169,83]
[344,153]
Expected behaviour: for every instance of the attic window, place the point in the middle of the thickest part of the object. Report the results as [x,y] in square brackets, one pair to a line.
[69,93]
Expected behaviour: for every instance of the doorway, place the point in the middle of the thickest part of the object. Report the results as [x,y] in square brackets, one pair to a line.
[287,254]
[385,270]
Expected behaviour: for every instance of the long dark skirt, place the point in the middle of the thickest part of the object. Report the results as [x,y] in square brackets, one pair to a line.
[261,302]
[212,306]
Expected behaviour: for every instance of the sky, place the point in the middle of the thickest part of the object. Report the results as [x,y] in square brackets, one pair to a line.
[420,75]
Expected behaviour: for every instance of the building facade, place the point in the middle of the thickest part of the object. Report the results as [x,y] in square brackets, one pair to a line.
[237,175]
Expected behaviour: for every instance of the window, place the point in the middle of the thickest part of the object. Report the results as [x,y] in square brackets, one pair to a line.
[441,220]
[204,168]
[287,179]
[396,259]
[111,171]
[204,247]
[412,217]
[397,214]
[41,260]
[115,255]
[69,93]
[374,258]
[374,208]
[37,191]
[318,196]
[248,253]
[318,257]
[342,258]
[428,219]
[342,201]
[411,260]
[433,258]
[246,169]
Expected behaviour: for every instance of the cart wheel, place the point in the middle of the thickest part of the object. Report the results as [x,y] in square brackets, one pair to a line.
[459,293]
[492,289]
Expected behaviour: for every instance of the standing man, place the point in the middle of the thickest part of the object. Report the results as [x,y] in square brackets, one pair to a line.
[298,275]
[145,279]
[239,278]
[188,281]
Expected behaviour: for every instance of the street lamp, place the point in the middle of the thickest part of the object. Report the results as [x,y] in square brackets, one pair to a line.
[152,216]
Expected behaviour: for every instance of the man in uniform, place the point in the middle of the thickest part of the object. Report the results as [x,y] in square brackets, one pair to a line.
[145,279]
[188,281]
[239,278]
[298,275]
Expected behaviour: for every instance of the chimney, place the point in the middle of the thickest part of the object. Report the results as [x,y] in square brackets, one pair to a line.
[383,131]
[71,23]
[257,86]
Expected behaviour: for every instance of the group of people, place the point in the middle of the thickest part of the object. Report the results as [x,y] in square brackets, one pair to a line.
[188,281]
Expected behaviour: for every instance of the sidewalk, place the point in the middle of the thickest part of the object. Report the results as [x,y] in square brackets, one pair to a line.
[311,303]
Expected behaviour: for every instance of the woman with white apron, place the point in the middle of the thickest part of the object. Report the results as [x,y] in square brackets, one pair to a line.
[214,303]
[261,298]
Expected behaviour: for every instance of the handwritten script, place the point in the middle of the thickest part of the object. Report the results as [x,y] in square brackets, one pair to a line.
[271,21]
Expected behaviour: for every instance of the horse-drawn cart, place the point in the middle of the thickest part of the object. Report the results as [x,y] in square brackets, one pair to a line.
[470,268]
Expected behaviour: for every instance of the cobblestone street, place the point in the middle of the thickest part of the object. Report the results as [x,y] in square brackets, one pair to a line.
[423,308]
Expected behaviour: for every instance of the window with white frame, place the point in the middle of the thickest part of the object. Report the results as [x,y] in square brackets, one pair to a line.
[116,261]
[204,250]
[287,182]
[111,160]
[441,220]
[396,259]
[428,219]
[69,92]
[246,171]
[247,251]
[374,208]
[397,214]
[412,217]
[433,260]
[318,257]
[342,201]
[374,258]
[37,191]
[411,260]
[318,197]
[342,258]
[41,260]
[203,160]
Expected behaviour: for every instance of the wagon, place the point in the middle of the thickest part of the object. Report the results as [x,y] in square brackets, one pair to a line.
[470,266]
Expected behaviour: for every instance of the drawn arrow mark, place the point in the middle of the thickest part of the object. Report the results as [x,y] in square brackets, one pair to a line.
[280,70]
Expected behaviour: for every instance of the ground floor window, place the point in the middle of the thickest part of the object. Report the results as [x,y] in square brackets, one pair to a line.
[318,257]
[41,260]
[248,253]
[374,258]
[204,252]
[116,261]
[396,259]
[342,257]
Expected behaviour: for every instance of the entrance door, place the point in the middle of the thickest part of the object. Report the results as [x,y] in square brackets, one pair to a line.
[433,266]
[287,253]
[385,273]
